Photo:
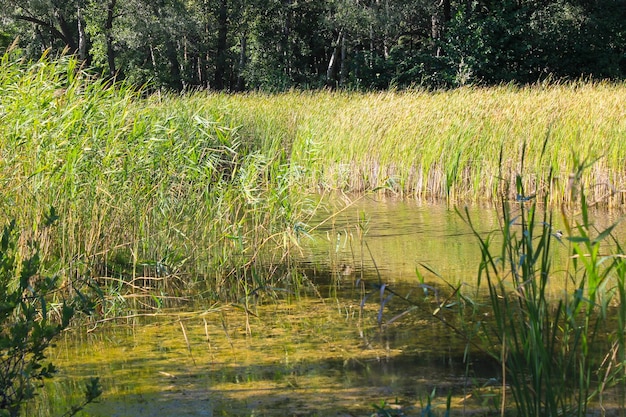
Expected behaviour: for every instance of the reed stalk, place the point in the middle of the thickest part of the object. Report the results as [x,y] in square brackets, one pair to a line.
[553,350]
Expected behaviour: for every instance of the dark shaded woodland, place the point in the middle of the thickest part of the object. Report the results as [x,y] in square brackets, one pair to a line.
[274,45]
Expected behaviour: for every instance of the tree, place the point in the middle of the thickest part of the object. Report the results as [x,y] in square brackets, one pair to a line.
[52,24]
[373,44]
[100,17]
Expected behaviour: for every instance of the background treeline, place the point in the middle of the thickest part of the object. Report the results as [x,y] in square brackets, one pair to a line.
[238,45]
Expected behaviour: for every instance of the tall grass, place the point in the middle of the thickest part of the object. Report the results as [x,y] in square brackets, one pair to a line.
[446,145]
[201,189]
[557,353]
[158,190]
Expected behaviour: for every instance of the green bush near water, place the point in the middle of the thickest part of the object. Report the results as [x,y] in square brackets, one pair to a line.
[29,324]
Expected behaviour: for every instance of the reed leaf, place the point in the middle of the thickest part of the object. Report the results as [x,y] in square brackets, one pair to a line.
[551,347]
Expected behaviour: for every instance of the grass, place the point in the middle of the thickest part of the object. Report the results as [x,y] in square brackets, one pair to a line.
[208,191]
[557,353]
[164,196]
[560,353]
[446,145]
[155,191]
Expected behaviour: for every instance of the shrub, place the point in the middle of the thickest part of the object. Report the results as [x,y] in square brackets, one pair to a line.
[28,324]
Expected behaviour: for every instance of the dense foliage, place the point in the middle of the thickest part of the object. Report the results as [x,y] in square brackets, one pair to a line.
[279,44]
[158,192]
[29,322]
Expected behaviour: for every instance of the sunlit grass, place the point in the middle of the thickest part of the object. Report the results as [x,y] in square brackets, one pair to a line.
[557,353]
[196,188]
[161,186]
[434,145]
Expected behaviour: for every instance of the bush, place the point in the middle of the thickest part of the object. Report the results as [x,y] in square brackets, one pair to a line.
[28,324]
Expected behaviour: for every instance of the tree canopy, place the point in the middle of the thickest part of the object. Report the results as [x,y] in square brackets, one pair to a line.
[237,45]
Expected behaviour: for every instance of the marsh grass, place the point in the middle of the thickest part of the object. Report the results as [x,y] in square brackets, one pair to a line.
[207,191]
[557,353]
[153,192]
[560,353]
[446,145]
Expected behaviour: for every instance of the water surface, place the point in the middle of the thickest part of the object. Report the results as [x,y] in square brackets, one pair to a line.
[329,351]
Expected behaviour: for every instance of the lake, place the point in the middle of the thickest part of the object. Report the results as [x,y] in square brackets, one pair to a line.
[329,349]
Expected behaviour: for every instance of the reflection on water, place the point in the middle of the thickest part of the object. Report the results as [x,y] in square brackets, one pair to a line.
[394,238]
[397,236]
[333,351]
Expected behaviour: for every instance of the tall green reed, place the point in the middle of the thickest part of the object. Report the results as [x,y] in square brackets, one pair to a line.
[161,190]
[557,352]
[442,145]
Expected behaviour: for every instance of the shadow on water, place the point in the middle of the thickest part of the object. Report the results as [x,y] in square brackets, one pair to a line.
[317,356]
[317,388]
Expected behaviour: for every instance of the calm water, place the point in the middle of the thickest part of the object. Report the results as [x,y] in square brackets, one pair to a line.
[333,351]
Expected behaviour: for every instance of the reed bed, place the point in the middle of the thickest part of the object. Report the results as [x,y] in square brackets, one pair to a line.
[453,145]
[151,192]
[563,355]
[209,190]
[164,195]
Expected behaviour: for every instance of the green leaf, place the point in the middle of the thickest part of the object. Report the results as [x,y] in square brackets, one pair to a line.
[606,232]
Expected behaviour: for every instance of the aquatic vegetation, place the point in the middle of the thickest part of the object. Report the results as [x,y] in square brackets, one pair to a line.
[162,197]
[383,409]
[446,144]
[557,353]
[206,190]
[155,195]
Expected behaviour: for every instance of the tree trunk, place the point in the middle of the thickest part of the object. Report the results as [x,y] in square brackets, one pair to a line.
[220,56]
[82,39]
[176,78]
[108,34]
[241,82]
[170,54]
[343,68]
[447,11]
[153,58]
[204,55]
[285,45]
[371,57]
[442,14]
[333,64]
[56,33]
[66,30]
[386,31]
[435,30]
